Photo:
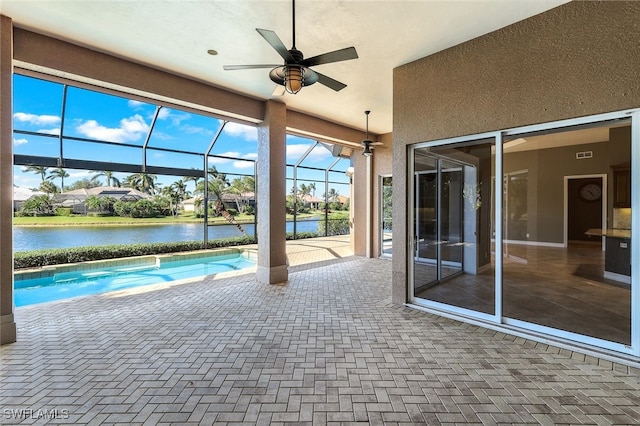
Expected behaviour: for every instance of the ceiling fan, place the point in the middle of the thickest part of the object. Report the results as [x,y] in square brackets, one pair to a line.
[368,143]
[296,72]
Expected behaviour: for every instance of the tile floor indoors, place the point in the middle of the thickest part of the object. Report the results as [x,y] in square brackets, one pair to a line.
[328,347]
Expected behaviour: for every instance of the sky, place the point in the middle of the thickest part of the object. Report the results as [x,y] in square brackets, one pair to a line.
[38,108]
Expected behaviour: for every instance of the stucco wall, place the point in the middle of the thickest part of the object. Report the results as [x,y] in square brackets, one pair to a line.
[578,59]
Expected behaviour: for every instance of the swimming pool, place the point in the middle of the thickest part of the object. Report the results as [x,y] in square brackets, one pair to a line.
[63,283]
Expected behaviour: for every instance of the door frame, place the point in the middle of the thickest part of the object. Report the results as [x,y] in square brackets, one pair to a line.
[603,200]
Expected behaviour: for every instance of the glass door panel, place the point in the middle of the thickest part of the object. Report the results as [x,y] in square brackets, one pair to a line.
[386,207]
[453,256]
[425,221]
[450,218]
[554,276]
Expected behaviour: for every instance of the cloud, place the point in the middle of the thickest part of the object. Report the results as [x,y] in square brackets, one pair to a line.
[54,131]
[131,129]
[22,141]
[164,113]
[36,120]
[241,130]
[216,160]
[190,130]
[136,105]
[243,164]
[296,151]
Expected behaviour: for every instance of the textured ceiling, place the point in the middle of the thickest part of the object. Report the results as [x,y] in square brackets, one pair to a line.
[175,36]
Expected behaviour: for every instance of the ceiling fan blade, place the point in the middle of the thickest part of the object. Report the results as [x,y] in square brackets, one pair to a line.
[247,67]
[329,82]
[335,56]
[275,42]
[278,91]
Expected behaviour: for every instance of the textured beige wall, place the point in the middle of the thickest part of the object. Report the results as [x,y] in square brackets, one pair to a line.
[578,59]
[381,167]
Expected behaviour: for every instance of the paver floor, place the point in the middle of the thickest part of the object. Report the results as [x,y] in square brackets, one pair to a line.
[328,347]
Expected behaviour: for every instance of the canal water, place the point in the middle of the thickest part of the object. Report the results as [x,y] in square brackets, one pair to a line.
[35,238]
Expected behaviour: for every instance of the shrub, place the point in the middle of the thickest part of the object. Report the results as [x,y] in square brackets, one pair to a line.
[336,226]
[301,235]
[64,211]
[39,258]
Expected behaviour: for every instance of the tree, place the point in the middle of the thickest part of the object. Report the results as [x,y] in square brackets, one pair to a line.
[83,183]
[312,188]
[333,195]
[194,179]
[239,188]
[39,170]
[100,203]
[143,182]
[111,179]
[217,184]
[38,205]
[59,173]
[49,187]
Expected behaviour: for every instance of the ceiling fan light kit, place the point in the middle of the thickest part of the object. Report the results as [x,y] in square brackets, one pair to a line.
[295,73]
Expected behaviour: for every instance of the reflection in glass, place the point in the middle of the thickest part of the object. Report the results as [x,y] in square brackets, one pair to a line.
[386,216]
[452,225]
[555,272]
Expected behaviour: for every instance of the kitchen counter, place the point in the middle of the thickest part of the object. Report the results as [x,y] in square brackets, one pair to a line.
[617,257]
[611,233]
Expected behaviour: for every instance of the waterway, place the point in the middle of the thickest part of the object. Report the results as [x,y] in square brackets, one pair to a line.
[27,238]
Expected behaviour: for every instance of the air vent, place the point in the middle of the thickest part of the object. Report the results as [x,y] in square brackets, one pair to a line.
[584,154]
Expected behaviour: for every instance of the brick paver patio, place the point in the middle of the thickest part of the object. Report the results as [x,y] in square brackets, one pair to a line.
[326,348]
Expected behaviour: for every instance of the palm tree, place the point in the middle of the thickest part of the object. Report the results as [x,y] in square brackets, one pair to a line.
[312,188]
[239,188]
[194,179]
[111,179]
[40,170]
[333,195]
[217,184]
[142,182]
[59,173]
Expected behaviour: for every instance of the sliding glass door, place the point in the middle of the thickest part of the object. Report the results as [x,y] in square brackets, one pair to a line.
[533,228]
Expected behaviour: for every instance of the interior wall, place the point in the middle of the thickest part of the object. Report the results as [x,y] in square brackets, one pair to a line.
[575,60]
[547,169]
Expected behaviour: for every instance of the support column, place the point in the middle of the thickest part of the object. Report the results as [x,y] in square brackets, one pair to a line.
[272,218]
[7,321]
[361,204]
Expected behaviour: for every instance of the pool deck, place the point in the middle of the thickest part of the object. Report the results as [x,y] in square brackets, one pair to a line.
[328,347]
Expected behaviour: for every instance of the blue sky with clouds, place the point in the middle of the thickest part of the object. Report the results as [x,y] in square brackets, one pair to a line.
[38,107]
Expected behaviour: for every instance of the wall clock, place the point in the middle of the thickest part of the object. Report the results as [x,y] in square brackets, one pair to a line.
[590,192]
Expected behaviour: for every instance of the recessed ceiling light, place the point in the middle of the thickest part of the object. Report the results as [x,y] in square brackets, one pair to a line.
[212,52]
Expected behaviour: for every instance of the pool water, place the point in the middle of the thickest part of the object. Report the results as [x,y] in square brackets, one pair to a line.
[82,283]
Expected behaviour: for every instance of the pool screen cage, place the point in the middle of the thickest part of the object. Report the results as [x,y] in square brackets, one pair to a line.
[59,139]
